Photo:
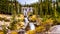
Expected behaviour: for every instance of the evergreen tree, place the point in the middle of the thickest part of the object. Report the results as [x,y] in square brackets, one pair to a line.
[3,6]
[46,7]
[41,5]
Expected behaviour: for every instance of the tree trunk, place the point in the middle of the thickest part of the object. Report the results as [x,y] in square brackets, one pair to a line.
[46,3]
[55,12]
[50,7]
[41,12]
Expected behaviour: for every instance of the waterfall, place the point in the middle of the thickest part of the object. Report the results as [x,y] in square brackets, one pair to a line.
[32,27]
[26,21]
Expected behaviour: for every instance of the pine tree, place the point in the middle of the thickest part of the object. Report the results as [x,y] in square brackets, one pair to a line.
[3,6]
[46,6]
[41,12]
[50,7]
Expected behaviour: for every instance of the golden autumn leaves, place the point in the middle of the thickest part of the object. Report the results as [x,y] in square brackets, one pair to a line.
[40,28]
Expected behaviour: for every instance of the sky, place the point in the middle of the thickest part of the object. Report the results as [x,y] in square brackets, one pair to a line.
[28,1]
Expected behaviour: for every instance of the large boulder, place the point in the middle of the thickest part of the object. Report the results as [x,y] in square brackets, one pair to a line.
[55,29]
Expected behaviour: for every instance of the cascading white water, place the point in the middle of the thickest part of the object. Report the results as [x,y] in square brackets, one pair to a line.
[32,27]
[25,12]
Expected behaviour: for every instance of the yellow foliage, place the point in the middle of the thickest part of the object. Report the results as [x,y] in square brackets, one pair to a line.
[40,29]
[31,32]
[14,32]
[21,18]
[49,21]
[18,27]
[21,23]
[58,19]
[29,13]
[21,15]
[30,18]
[1,32]
[34,17]
[39,20]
